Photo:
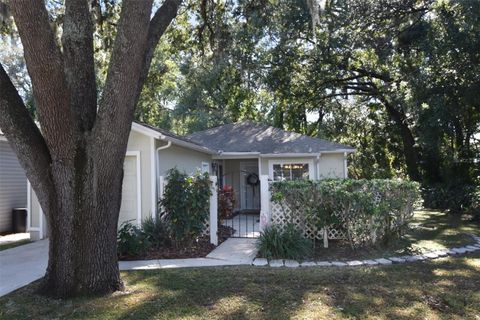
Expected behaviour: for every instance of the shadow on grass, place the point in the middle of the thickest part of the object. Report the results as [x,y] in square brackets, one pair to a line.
[420,290]
[442,288]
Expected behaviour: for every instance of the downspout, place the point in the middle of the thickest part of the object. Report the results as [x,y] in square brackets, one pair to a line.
[157,161]
[318,166]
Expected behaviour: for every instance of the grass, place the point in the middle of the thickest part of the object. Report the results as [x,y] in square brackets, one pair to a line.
[446,288]
[13,244]
[430,230]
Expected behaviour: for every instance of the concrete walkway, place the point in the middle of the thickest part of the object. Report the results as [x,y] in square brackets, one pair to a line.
[233,252]
[22,265]
[240,250]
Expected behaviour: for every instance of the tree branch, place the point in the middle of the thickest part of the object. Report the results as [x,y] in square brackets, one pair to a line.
[77,42]
[118,101]
[45,66]
[160,21]
[24,137]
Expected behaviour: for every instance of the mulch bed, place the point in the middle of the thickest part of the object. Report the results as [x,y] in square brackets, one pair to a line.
[199,249]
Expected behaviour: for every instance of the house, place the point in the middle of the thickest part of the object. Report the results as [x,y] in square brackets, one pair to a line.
[13,185]
[237,153]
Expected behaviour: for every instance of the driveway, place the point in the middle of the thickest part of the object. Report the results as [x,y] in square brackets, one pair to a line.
[21,265]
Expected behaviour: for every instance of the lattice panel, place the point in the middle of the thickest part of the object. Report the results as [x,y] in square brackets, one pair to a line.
[206,228]
[281,215]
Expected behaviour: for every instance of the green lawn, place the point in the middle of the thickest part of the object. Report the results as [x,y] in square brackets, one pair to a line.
[446,288]
[13,244]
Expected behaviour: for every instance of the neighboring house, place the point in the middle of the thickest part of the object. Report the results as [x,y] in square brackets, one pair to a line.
[13,185]
[236,153]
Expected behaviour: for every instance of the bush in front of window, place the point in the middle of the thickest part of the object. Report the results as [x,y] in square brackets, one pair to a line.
[366,210]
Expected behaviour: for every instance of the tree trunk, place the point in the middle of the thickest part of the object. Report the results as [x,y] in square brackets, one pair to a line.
[409,150]
[75,164]
[83,228]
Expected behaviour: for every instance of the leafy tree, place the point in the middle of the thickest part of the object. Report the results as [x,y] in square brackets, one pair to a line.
[75,161]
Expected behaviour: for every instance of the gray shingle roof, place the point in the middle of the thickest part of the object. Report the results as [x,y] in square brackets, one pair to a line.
[249,136]
[169,134]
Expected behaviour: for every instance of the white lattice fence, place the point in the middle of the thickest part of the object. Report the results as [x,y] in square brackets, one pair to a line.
[281,215]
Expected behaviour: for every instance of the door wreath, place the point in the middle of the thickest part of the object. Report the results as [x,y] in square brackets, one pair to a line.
[253,179]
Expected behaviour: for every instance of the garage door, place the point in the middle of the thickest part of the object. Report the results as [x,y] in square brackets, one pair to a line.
[129,206]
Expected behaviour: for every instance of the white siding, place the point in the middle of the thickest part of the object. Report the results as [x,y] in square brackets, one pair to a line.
[13,185]
[183,159]
[331,166]
[140,142]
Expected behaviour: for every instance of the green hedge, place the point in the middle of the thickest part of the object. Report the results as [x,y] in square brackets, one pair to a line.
[367,210]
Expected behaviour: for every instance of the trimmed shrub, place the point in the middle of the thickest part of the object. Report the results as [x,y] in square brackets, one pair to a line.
[288,243]
[185,205]
[367,210]
[131,240]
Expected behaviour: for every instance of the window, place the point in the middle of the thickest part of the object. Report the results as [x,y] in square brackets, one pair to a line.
[205,167]
[291,171]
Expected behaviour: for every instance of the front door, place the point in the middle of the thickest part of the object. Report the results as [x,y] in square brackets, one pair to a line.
[249,189]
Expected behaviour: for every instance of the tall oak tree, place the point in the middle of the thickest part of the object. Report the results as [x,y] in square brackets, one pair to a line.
[74,162]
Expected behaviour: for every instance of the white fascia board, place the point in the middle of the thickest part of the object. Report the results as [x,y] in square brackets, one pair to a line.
[189,145]
[339,151]
[146,131]
[236,155]
[157,135]
[300,155]
[288,155]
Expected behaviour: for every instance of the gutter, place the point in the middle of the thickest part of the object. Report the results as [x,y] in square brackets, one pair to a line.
[157,162]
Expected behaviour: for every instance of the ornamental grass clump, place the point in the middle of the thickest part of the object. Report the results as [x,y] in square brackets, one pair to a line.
[283,243]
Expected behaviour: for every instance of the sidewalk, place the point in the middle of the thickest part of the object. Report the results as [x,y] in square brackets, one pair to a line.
[234,251]
[24,264]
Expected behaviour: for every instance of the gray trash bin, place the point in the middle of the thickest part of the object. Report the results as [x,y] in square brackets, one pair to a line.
[19,220]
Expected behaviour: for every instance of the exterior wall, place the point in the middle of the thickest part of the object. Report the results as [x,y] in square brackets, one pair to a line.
[140,142]
[183,159]
[331,166]
[266,164]
[13,185]
[136,142]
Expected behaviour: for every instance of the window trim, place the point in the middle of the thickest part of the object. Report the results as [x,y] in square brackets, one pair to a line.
[311,173]
[205,165]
